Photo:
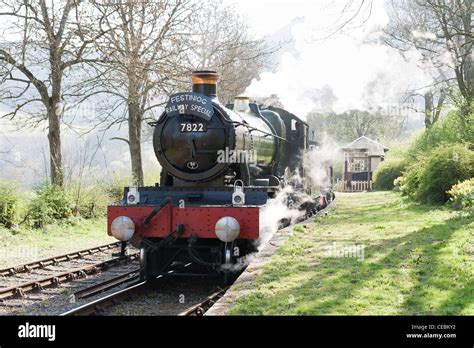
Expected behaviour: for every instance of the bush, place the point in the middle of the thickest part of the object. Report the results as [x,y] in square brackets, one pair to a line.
[152,177]
[51,203]
[114,188]
[387,172]
[89,202]
[462,195]
[399,185]
[448,131]
[430,176]
[8,204]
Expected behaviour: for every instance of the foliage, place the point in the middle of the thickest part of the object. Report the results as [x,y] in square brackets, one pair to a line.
[114,187]
[462,195]
[8,204]
[387,172]
[153,176]
[398,148]
[431,175]
[399,184]
[90,201]
[50,203]
[451,130]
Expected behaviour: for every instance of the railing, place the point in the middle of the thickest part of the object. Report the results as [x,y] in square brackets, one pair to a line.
[353,186]
[359,186]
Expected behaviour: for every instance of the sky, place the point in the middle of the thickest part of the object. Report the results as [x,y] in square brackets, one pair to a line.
[351,61]
[267,16]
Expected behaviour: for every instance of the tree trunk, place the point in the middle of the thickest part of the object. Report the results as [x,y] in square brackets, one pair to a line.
[432,111]
[467,48]
[428,109]
[54,138]
[134,138]
[54,122]
[54,111]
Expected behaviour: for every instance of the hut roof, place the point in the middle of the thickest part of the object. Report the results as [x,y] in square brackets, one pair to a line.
[366,144]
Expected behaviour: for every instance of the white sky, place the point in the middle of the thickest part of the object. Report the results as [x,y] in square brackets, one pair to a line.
[347,61]
[267,16]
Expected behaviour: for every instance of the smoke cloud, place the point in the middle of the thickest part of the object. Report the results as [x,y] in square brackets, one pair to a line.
[271,216]
[350,63]
[316,162]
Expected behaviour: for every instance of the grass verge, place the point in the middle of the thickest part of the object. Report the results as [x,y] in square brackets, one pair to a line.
[375,254]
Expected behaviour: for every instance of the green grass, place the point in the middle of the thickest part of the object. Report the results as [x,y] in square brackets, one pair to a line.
[417,259]
[27,244]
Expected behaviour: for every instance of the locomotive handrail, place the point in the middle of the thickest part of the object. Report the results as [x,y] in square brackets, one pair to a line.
[155,211]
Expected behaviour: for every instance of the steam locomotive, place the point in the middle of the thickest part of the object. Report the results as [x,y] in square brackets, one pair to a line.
[220,165]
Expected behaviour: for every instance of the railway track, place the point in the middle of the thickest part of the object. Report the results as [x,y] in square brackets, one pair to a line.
[100,304]
[134,288]
[201,308]
[56,279]
[40,264]
[133,276]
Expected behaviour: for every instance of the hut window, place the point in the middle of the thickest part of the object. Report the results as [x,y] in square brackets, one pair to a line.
[358,165]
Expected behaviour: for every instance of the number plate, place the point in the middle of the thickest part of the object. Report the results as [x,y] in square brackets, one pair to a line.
[186,127]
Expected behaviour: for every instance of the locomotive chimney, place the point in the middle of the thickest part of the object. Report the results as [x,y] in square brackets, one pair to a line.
[205,82]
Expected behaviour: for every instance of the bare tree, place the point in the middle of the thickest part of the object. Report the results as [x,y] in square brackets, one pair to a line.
[441,31]
[352,15]
[222,41]
[46,42]
[144,61]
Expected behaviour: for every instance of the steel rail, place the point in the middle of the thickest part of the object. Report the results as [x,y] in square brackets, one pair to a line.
[58,278]
[203,306]
[106,301]
[27,267]
[108,284]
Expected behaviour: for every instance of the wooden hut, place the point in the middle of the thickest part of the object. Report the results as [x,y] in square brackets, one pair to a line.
[361,159]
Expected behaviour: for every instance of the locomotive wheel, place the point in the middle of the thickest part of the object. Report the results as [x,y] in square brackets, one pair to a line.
[148,262]
[143,260]
[235,268]
[229,260]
